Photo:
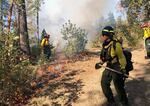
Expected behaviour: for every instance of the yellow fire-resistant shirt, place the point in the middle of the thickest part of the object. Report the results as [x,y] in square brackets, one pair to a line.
[118,51]
[146,32]
[45,42]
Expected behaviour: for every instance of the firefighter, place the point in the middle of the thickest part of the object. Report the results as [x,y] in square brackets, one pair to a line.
[46,46]
[146,38]
[116,60]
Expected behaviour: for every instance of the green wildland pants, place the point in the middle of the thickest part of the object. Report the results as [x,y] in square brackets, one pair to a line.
[147,46]
[118,81]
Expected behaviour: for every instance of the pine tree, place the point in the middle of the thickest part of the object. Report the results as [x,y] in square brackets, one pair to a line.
[75,37]
[33,9]
[4,5]
[1,16]
[24,38]
[43,33]
[137,10]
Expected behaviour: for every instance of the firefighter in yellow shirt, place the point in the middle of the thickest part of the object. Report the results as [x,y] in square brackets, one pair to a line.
[115,59]
[146,32]
[46,46]
[146,37]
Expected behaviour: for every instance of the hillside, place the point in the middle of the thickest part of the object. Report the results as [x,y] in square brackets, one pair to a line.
[79,84]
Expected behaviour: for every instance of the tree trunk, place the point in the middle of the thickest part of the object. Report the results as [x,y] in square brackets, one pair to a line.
[147,12]
[1,16]
[38,25]
[18,21]
[24,38]
[10,15]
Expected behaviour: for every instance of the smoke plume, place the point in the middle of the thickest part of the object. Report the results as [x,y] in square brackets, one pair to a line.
[84,13]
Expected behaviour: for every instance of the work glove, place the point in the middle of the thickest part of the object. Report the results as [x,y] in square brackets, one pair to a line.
[97,65]
[123,71]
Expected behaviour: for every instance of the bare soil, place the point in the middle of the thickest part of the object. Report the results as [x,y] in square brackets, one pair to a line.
[79,84]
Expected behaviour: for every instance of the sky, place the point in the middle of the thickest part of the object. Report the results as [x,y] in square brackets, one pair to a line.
[84,13]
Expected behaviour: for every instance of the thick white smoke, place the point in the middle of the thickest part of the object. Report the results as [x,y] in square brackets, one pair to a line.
[84,13]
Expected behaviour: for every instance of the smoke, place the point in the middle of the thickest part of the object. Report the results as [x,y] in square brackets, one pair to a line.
[84,13]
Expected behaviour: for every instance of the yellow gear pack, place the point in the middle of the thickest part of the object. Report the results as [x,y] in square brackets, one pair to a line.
[44,42]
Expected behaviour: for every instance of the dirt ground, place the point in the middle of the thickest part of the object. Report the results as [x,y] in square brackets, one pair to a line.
[80,85]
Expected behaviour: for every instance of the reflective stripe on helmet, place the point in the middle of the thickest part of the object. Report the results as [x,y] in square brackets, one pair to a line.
[105,30]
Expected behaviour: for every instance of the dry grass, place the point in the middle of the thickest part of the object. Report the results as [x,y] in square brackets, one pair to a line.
[79,84]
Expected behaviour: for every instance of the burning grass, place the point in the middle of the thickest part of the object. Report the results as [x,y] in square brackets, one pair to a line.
[56,82]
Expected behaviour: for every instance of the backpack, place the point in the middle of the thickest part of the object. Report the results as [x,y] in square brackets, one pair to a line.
[128,56]
[44,42]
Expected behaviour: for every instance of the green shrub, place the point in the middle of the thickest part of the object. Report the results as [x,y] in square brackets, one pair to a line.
[15,72]
[36,50]
[76,39]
